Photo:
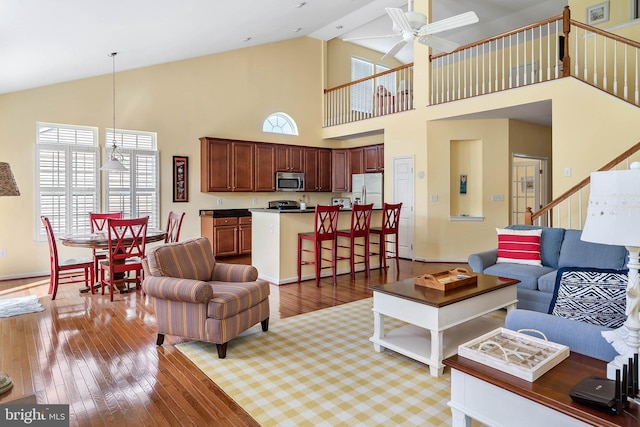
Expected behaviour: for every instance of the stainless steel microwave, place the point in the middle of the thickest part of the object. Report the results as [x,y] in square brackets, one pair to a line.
[289,181]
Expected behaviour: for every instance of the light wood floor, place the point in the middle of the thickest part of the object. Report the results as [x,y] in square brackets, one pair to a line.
[100,357]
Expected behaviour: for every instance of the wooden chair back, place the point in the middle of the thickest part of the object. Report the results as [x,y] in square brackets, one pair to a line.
[361,220]
[98,221]
[326,222]
[127,238]
[174,223]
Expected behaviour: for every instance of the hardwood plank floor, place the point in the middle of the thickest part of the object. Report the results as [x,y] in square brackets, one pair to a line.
[100,357]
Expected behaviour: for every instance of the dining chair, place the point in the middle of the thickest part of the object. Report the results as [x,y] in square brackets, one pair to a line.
[127,240]
[68,270]
[98,223]
[390,223]
[325,226]
[174,223]
[358,235]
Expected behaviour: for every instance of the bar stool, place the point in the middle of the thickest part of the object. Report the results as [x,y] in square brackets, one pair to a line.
[325,226]
[360,226]
[390,221]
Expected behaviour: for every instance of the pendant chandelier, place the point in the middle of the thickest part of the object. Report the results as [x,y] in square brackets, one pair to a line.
[113,152]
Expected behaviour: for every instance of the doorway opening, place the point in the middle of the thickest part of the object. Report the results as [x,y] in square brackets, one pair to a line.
[529,186]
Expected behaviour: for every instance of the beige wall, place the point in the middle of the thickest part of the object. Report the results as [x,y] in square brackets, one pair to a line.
[225,95]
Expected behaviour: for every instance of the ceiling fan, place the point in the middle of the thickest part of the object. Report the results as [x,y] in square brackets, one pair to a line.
[411,25]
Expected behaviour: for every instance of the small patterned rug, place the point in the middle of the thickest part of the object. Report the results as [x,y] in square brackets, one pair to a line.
[320,369]
[21,305]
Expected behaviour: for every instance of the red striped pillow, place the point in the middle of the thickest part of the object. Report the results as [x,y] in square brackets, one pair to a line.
[519,246]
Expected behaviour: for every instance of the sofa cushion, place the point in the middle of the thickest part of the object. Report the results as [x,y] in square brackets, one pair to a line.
[576,253]
[550,242]
[519,246]
[526,274]
[596,296]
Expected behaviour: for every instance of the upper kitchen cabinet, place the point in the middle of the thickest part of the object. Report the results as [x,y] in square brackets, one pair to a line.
[374,158]
[265,167]
[340,171]
[317,169]
[289,158]
[226,165]
[356,161]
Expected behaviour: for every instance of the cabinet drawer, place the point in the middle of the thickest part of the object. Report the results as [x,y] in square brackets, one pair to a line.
[225,221]
[245,220]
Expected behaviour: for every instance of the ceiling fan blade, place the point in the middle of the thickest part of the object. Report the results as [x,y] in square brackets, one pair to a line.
[395,49]
[439,43]
[399,19]
[348,39]
[456,21]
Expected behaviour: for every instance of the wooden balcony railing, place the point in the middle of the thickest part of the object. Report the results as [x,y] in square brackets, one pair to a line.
[384,93]
[569,210]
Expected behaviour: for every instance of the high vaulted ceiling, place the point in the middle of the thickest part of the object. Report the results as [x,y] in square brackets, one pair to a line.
[44,42]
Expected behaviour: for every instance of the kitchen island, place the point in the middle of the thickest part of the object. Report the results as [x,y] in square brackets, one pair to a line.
[275,243]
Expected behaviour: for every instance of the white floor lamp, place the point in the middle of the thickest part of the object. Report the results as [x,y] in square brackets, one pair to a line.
[613,218]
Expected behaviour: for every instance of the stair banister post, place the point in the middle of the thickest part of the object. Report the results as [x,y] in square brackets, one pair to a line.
[566,29]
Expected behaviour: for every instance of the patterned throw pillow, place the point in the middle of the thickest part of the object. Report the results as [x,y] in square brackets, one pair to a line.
[591,295]
[519,246]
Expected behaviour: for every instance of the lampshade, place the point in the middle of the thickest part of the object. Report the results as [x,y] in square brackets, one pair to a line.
[8,186]
[613,214]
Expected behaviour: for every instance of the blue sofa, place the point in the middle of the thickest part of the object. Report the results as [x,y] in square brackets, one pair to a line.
[559,248]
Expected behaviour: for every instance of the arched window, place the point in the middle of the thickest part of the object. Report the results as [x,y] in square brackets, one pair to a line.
[280,123]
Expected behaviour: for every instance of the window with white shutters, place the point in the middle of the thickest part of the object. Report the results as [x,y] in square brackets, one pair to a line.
[362,93]
[135,191]
[66,177]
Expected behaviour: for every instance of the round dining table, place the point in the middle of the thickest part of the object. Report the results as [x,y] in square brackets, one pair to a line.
[101,241]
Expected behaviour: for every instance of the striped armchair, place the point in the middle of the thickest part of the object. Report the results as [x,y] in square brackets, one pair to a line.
[198,298]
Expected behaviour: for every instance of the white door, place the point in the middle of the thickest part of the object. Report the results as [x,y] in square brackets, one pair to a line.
[403,192]
[528,188]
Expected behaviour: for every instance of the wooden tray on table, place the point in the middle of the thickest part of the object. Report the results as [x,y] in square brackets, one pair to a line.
[447,280]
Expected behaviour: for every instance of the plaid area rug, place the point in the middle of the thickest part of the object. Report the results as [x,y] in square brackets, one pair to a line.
[320,369]
[21,305]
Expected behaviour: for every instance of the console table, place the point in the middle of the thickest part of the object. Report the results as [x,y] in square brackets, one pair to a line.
[497,398]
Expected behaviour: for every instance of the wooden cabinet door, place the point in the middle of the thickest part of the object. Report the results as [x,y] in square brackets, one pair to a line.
[311,169]
[215,165]
[324,169]
[340,171]
[374,158]
[265,168]
[225,236]
[296,159]
[243,166]
[289,158]
[244,235]
[356,161]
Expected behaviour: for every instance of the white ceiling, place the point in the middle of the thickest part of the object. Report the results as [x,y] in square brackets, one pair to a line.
[44,42]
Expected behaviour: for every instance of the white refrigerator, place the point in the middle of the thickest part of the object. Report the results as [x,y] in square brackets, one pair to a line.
[367,188]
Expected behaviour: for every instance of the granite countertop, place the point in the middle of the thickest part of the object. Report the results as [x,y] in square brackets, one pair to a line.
[224,213]
[310,209]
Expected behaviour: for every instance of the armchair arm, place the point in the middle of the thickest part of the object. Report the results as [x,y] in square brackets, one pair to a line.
[234,273]
[481,260]
[176,289]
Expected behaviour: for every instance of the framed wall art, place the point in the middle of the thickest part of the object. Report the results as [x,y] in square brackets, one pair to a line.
[598,13]
[180,179]
[463,184]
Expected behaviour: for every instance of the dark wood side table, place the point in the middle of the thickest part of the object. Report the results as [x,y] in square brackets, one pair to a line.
[497,398]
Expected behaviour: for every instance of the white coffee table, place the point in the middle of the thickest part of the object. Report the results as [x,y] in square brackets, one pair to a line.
[429,313]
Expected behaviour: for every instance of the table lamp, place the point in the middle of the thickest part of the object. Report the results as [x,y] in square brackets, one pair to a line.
[613,218]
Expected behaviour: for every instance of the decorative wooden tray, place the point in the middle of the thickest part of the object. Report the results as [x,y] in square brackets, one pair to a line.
[447,280]
[515,353]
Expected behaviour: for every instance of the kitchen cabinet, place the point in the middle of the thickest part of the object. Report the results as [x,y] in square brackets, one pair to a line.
[226,165]
[228,235]
[356,162]
[340,171]
[289,158]
[265,167]
[317,169]
[374,158]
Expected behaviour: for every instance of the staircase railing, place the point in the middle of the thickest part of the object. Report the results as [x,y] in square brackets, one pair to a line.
[380,94]
[569,210]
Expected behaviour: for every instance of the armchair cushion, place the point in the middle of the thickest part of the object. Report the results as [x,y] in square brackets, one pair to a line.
[191,259]
[231,298]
